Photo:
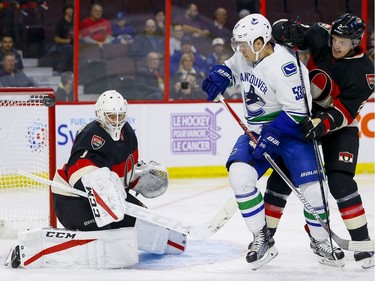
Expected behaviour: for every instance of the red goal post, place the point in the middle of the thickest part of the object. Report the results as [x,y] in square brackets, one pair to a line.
[28,143]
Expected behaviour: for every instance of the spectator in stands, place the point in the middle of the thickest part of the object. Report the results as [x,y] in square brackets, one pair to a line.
[96,29]
[64,91]
[160,23]
[186,67]
[217,26]
[7,45]
[175,40]
[64,39]
[218,50]
[150,79]
[187,48]
[192,23]
[148,41]
[10,76]
[122,31]
[243,13]
[188,89]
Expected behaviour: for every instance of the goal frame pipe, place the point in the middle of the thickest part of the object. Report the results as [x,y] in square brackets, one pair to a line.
[51,137]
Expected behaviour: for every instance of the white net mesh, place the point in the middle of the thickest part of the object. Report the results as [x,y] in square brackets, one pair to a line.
[25,141]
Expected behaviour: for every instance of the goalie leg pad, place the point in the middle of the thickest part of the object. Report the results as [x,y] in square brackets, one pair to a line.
[60,248]
[159,240]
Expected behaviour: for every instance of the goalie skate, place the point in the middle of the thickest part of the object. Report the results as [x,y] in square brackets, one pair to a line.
[13,259]
[262,249]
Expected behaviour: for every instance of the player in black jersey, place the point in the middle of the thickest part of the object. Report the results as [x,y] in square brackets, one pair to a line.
[342,80]
[108,142]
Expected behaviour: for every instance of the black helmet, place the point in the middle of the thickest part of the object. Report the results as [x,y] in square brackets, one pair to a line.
[348,26]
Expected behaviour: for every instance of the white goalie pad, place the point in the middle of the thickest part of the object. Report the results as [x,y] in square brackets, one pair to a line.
[61,248]
[151,179]
[106,195]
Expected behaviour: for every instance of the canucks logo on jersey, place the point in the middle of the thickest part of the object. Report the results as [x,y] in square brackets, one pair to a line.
[289,69]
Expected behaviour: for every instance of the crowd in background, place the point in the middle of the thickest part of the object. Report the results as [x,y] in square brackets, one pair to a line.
[126,52]
[195,45]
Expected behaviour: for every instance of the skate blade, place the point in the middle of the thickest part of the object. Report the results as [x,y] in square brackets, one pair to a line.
[268,256]
[13,260]
[8,259]
[336,263]
[367,263]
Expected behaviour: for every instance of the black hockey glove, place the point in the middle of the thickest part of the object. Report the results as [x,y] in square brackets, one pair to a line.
[318,126]
[289,33]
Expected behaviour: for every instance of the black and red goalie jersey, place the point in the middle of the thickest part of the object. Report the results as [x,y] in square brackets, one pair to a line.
[94,148]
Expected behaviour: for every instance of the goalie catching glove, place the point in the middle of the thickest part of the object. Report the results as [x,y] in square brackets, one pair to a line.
[150,179]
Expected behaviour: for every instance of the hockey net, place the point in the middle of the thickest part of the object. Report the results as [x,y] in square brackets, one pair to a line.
[27,138]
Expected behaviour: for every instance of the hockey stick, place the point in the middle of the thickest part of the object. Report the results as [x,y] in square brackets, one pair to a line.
[201,231]
[318,159]
[343,243]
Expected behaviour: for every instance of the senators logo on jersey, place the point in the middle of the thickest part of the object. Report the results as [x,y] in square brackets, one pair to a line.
[97,142]
[370,80]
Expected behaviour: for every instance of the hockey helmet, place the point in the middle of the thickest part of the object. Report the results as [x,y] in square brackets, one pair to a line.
[348,26]
[250,28]
[111,111]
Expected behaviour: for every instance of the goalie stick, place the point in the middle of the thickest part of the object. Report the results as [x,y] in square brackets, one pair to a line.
[345,244]
[201,231]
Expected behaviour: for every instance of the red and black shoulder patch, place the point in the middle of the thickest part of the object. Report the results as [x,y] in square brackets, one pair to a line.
[370,80]
[97,142]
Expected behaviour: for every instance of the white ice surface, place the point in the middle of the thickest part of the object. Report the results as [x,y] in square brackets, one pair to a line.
[222,256]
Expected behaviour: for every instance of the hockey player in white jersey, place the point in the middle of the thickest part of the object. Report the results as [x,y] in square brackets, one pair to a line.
[274,108]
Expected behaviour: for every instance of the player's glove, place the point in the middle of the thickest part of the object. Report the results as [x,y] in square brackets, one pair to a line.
[268,142]
[289,32]
[318,126]
[217,82]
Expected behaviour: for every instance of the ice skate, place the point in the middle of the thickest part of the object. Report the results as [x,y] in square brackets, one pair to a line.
[262,249]
[366,259]
[323,251]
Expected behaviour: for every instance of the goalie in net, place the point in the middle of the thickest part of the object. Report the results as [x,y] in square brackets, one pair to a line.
[98,234]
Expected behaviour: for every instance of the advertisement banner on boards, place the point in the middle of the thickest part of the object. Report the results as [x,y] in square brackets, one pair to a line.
[179,135]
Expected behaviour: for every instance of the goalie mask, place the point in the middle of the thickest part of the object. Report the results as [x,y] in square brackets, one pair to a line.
[111,111]
[250,28]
